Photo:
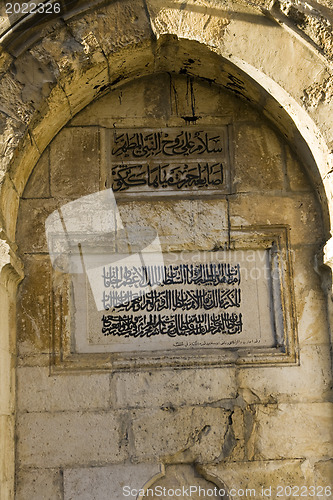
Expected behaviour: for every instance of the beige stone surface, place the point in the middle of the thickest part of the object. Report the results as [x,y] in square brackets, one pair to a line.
[172,388]
[29,154]
[116,26]
[258,159]
[207,18]
[13,103]
[122,103]
[199,99]
[8,337]
[7,456]
[312,318]
[35,212]
[293,430]
[174,221]
[5,61]
[91,78]
[211,221]
[39,484]
[292,84]
[165,98]
[323,472]
[74,163]
[238,37]
[34,318]
[179,435]
[276,416]
[57,114]
[181,224]
[184,480]
[9,207]
[299,211]
[251,477]
[39,391]
[70,439]
[105,483]
[296,172]
[38,184]
[7,378]
[310,382]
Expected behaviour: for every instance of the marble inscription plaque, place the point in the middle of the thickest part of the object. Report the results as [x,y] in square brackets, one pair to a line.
[168,160]
[190,300]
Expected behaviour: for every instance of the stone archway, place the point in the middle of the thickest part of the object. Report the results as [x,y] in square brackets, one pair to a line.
[77,54]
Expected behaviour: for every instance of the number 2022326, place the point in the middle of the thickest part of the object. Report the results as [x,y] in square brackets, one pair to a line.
[32,8]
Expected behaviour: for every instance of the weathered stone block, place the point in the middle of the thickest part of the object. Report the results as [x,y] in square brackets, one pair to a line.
[74,160]
[238,38]
[174,221]
[56,115]
[36,78]
[31,236]
[120,24]
[248,479]
[106,483]
[7,456]
[33,326]
[26,157]
[27,356]
[38,185]
[9,206]
[66,439]
[83,86]
[323,472]
[7,378]
[296,172]
[300,212]
[193,99]
[206,24]
[172,388]
[125,65]
[13,102]
[8,335]
[38,391]
[139,98]
[294,430]
[312,318]
[210,224]
[311,381]
[39,484]
[179,435]
[258,159]
[5,61]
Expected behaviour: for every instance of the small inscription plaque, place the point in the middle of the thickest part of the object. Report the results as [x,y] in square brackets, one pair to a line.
[195,299]
[168,160]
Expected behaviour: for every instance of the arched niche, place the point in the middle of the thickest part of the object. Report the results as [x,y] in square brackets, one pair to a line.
[97,74]
[269,187]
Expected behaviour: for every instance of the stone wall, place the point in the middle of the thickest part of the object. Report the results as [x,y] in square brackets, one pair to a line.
[81,432]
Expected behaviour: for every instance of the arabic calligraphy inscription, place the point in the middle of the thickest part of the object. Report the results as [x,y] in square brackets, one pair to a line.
[188,303]
[169,160]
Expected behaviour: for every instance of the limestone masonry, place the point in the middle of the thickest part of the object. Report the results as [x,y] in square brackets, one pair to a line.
[165,289]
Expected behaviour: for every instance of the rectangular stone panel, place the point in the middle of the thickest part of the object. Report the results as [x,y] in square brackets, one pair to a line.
[183,308]
[176,300]
[69,438]
[114,482]
[167,161]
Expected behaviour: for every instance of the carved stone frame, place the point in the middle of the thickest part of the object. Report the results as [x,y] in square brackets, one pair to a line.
[275,238]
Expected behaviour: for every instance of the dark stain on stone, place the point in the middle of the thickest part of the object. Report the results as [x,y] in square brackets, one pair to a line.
[191,119]
[117,80]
